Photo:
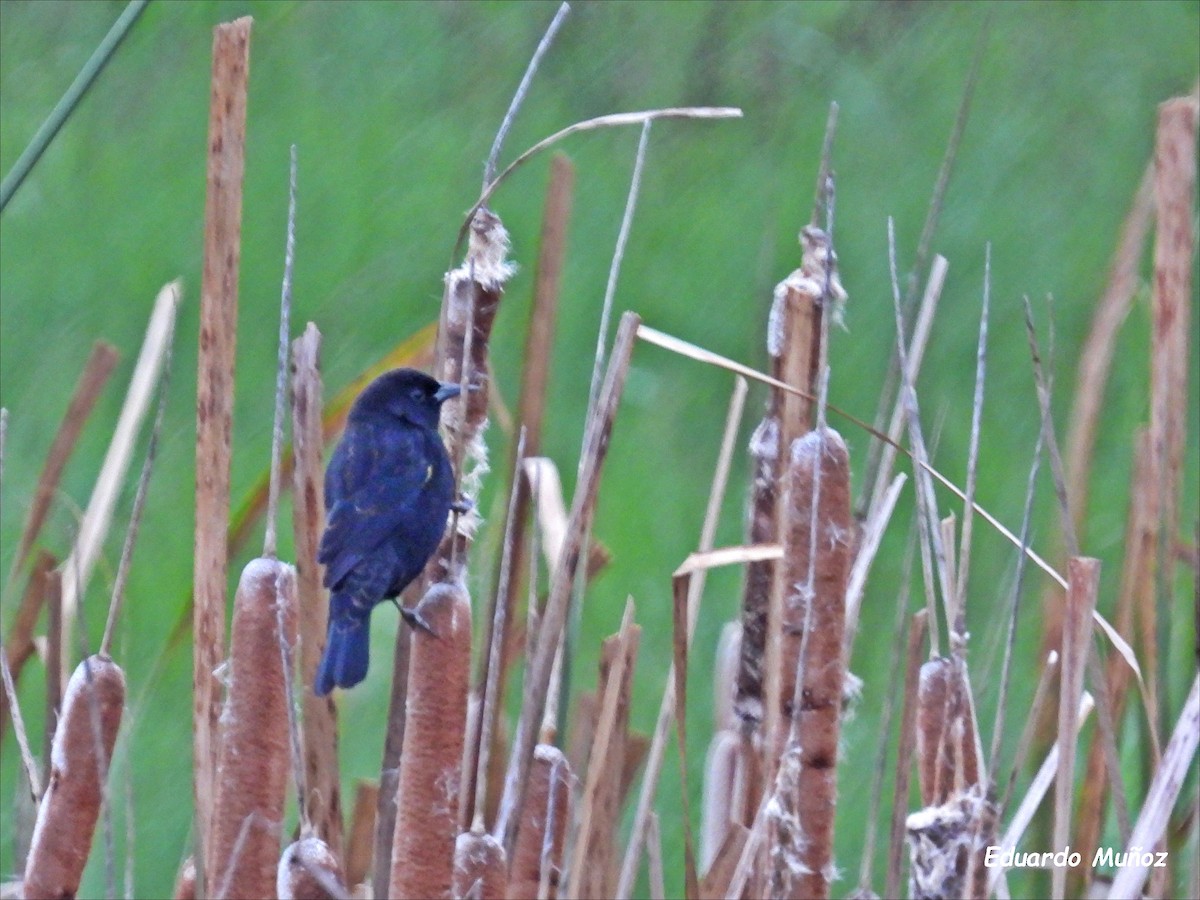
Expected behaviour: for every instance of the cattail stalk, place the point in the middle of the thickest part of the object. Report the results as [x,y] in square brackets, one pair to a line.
[537,858]
[422,862]
[816,566]
[480,868]
[252,775]
[80,761]
[309,870]
[214,410]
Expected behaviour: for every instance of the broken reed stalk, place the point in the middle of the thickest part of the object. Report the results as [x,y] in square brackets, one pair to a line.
[393,744]
[27,760]
[1041,781]
[480,868]
[98,517]
[593,871]
[917,628]
[139,500]
[19,647]
[817,547]
[54,657]
[323,806]
[309,870]
[1083,575]
[537,857]
[1137,581]
[666,710]
[80,761]
[361,833]
[255,758]
[96,371]
[537,677]
[214,411]
[422,859]
[1151,827]
[485,714]
[1175,211]
[535,379]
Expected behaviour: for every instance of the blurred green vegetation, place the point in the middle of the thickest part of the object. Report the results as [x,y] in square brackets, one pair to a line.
[393,108]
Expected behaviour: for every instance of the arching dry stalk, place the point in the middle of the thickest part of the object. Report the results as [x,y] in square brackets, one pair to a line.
[252,774]
[480,869]
[309,870]
[542,835]
[434,736]
[80,762]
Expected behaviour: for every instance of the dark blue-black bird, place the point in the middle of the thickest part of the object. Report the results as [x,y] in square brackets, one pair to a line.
[388,491]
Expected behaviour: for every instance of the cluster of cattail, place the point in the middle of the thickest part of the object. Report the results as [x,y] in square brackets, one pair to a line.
[466,807]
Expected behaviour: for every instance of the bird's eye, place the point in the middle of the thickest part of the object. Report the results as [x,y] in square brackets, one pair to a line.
[416,394]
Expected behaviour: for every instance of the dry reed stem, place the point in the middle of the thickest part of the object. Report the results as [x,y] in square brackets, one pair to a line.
[707,357]
[717,801]
[54,657]
[14,706]
[658,890]
[97,518]
[916,354]
[19,646]
[185,881]
[1151,828]
[96,371]
[537,677]
[1096,356]
[254,761]
[1084,576]
[361,833]
[816,565]
[486,699]
[666,711]
[1036,793]
[214,409]
[322,802]
[593,872]
[139,499]
[393,744]
[83,746]
[1137,579]
[541,838]
[871,536]
[717,879]
[480,869]
[489,169]
[309,870]
[270,538]
[681,583]
[535,374]
[422,859]
[472,297]
[908,721]
[1175,211]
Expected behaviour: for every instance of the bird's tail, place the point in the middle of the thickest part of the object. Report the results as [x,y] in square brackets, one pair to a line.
[347,653]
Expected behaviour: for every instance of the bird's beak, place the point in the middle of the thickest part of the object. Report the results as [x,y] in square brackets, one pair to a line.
[446,391]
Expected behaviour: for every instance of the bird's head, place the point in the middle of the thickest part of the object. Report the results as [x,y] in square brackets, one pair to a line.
[404,394]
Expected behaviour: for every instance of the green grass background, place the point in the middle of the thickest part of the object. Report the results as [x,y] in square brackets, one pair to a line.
[393,108]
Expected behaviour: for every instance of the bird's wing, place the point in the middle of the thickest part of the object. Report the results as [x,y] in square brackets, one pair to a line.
[376,493]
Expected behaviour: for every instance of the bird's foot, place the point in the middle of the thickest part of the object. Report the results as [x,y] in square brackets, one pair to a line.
[462,505]
[414,619]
